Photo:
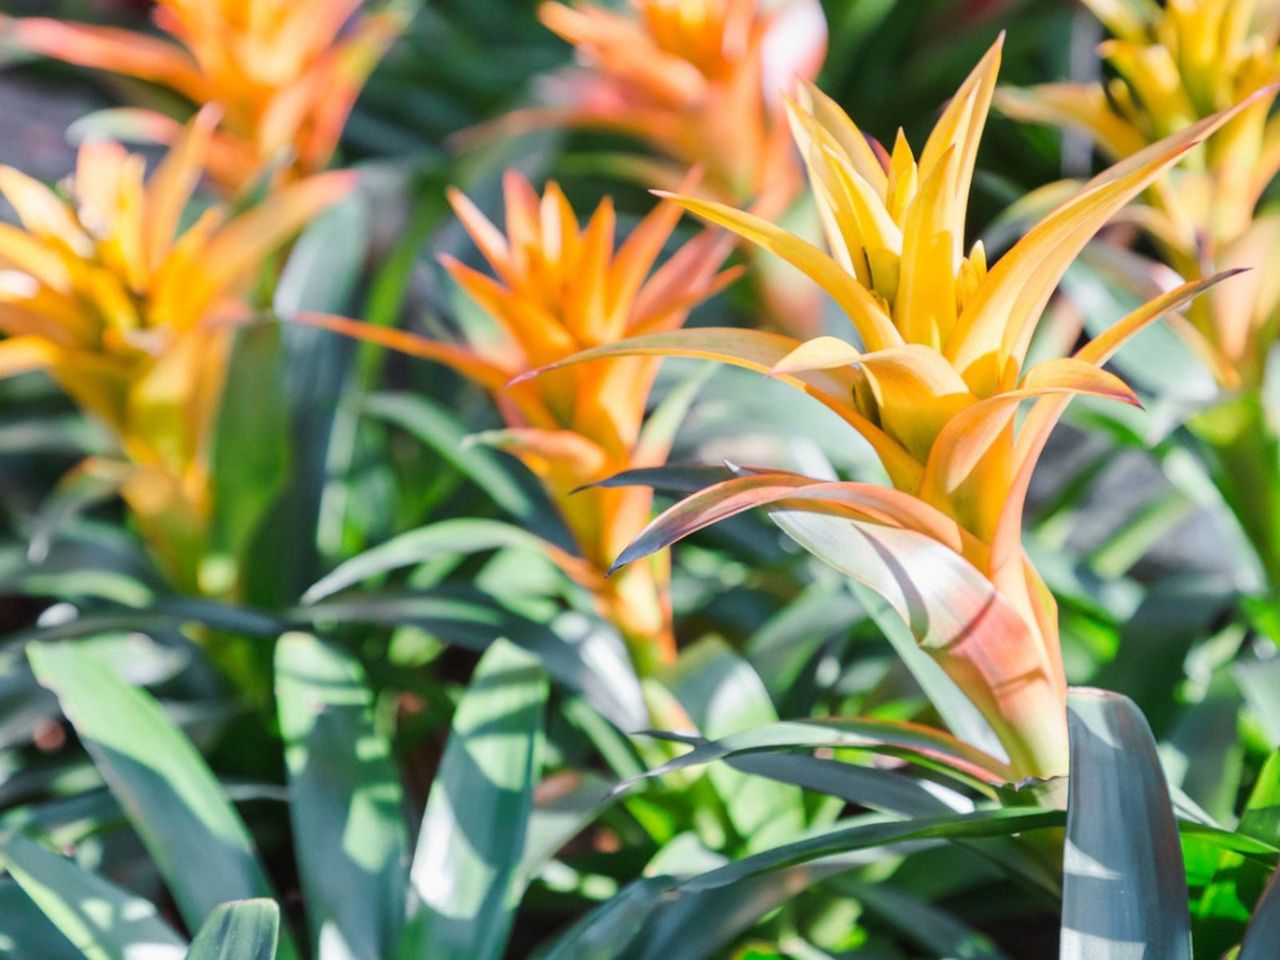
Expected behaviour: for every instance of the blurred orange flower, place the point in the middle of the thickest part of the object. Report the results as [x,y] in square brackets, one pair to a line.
[126,310]
[559,287]
[701,82]
[285,73]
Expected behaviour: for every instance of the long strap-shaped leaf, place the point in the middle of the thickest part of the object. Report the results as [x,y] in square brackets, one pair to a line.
[103,921]
[1125,888]
[344,800]
[241,930]
[466,868]
[179,810]
[1262,938]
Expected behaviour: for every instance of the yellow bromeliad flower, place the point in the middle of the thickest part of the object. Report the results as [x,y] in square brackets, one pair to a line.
[934,386]
[700,81]
[106,292]
[285,73]
[557,288]
[1175,64]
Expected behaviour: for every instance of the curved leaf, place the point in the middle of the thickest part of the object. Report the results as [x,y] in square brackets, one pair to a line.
[345,802]
[170,796]
[241,930]
[579,652]
[103,921]
[1125,887]
[447,538]
[466,871]
[1263,933]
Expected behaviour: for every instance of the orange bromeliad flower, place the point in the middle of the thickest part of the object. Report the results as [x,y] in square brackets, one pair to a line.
[1175,64]
[558,288]
[106,293]
[698,80]
[285,73]
[933,385]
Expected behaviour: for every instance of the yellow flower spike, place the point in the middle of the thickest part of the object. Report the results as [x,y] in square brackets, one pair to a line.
[934,387]
[126,313]
[1177,64]
[558,287]
[285,72]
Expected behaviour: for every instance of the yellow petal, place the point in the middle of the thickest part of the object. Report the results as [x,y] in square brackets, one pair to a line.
[960,129]
[996,326]
[1080,106]
[759,350]
[925,306]
[869,319]
[170,187]
[820,353]
[42,211]
[25,354]
[853,142]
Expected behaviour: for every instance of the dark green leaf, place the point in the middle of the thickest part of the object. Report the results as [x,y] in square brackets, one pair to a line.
[466,869]
[103,921]
[344,800]
[171,798]
[1125,888]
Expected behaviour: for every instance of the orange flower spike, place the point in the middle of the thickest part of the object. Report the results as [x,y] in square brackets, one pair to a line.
[933,385]
[698,81]
[562,287]
[285,73]
[558,287]
[107,295]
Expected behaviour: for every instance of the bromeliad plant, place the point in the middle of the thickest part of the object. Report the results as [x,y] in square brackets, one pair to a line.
[700,83]
[1174,65]
[934,387]
[559,288]
[130,311]
[286,74]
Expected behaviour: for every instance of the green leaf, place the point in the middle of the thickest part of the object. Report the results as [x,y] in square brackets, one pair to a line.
[606,931]
[250,455]
[723,695]
[895,793]
[466,867]
[922,923]
[1263,934]
[575,650]
[1259,681]
[170,796]
[241,930]
[325,263]
[923,744]
[1125,887]
[27,931]
[455,537]
[874,831]
[579,799]
[702,924]
[345,802]
[103,921]
[440,429]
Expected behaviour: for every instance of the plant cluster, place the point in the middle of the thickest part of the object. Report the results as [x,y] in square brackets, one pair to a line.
[676,479]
